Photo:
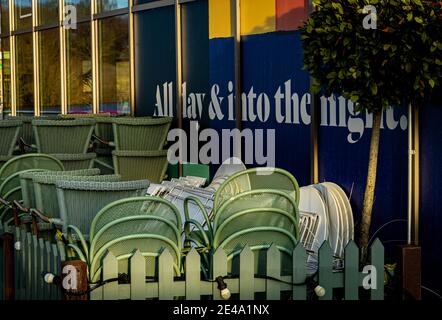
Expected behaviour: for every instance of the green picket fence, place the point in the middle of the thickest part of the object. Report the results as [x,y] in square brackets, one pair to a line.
[246,285]
[32,257]
[35,256]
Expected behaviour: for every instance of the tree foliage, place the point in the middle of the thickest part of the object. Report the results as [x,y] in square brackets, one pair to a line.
[399,61]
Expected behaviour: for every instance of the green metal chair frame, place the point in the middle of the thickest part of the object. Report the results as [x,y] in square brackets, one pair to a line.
[94,272]
[151,165]
[240,182]
[140,134]
[29,161]
[4,159]
[63,136]
[118,210]
[9,132]
[275,199]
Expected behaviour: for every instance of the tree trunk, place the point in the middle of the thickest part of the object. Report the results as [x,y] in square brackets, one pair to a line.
[370,186]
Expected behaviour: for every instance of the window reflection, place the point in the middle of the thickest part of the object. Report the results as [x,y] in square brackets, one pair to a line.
[23,14]
[5,59]
[108,5]
[79,69]
[4,15]
[83,8]
[47,11]
[50,73]
[114,65]
[25,74]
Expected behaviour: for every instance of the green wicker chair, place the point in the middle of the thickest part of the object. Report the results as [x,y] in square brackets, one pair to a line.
[151,165]
[77,161]
[46,199]
[140,134]
[9,132]
[246,208]
[148,224]
[256,178]
[26,132]
[81,201]
[27,183]
[63,136]
[259,228]
[29,162]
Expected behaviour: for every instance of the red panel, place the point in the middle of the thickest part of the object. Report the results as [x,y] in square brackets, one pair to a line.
[290,14]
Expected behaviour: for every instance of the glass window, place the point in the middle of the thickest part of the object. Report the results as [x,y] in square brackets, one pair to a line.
[82,7]
[47,11]
[50,73]
[5,61]
[79,69]
[23,14]
[4,15]
[114,65]
[154,57]
[25,75]
[108,5]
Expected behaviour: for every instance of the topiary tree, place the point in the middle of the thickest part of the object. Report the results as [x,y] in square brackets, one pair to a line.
[378,57]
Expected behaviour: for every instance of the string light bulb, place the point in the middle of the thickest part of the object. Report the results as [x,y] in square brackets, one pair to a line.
[51,278]
[222,287]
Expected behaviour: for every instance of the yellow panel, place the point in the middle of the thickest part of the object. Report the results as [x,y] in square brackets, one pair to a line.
[220,18]
[258,16]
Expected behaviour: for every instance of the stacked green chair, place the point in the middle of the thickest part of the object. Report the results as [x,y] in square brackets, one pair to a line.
[9,133]
[80,201]
[26,132]
[63,136]
[149,224]
[254,179]
[258,207]
[29,162]
[67,140]
[104,131]
[27,183]
[45,190]
[140,134]
[138,147]
[151,165]
[10,184]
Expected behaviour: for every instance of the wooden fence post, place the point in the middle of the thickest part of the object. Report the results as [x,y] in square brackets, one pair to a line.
[377,260]
[219,267]
[246,274]
[325,266]
[273,288]
[137,265]
[165,276]
[110,271]
[299,272]
[193,275]
[351,271]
